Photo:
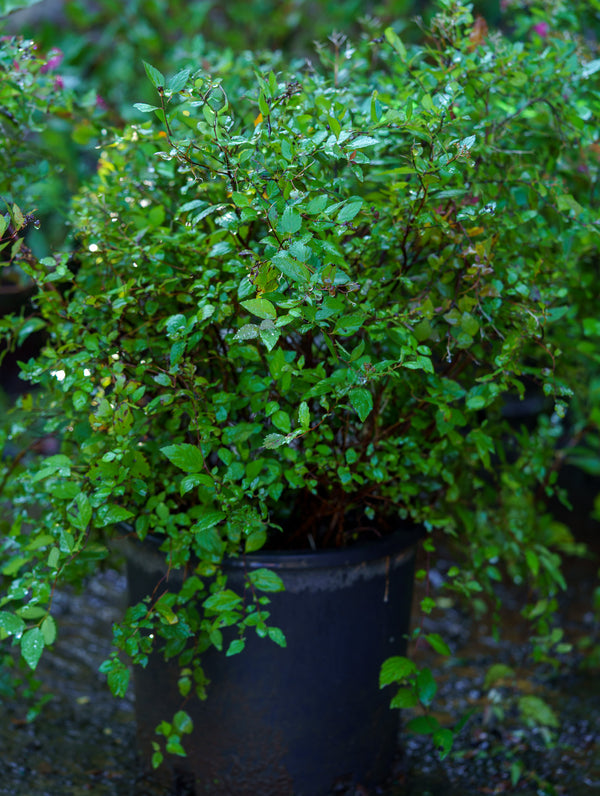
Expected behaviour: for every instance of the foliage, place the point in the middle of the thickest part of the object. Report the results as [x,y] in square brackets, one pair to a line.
[43,127]
[300,304]
[104,43]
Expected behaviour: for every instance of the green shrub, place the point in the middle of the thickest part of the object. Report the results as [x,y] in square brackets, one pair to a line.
[301,303]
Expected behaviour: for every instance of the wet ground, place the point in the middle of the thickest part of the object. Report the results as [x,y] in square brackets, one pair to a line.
[84,740]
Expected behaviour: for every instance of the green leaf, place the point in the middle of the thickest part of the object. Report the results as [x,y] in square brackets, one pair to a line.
[176,325]
[236,646]
[118,678]
[32,646]
[393,39]
[8,6]
[533,562]
[53,558]
[225,600]
[426,686]
[65,491]
[11,624]
[145,108]
[497,673]
[290,267]
[174,746]
[566,202]
[183,723]
[111,515]
[537,712]
[178,81]
[269,334]
[423,725]
[348,211]
[208,520]
[274,441]
[261,307]
[156,78]
[304,416]
[266,580]
[185,456]
[290,221]
[396,670]
[82,519]
[48,628]
[438,643]
[247,332]
[362,401]
[362,141]
[404,698]
[443,740]
[276,635]
[255,540]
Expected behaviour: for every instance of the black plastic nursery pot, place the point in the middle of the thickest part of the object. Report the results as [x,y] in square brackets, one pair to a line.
[298,720]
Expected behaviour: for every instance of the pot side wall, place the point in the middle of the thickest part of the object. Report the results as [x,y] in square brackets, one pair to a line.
[290,722]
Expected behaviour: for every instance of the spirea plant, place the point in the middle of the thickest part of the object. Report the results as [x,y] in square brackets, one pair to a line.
[301,299]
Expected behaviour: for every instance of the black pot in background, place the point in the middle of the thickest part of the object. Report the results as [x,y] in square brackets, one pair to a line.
[289,721]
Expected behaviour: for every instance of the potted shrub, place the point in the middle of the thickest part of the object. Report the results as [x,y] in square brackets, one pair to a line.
[301,298]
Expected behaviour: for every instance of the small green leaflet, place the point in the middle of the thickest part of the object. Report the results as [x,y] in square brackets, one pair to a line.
[426,686]
[395,670]
[266,580]
[110,515]
[290,267]
[261,307]
[183,722]
[143,107]
[11,624]
[156,78]
[404,698]
[276,635]
[8,6]
[185,456]
[393,39]
[348,211]
[236,646]
[178,81]
[537,712]
[32,646]
[290,221]
[208,520]
[274,440]
[362,401]
[361,142]
[48,628]
[118,678]
[304,416]
[269,334]
[247,332]
[225,600]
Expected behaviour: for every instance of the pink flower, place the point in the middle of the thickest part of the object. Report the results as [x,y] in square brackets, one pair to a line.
[542,29]
[58,83]
[101,103]
[53,62]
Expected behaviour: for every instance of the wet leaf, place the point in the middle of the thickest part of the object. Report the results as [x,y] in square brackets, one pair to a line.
[396,669]
[185,456]
[11,624]
[32,646]
[182,722]
[266,580]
